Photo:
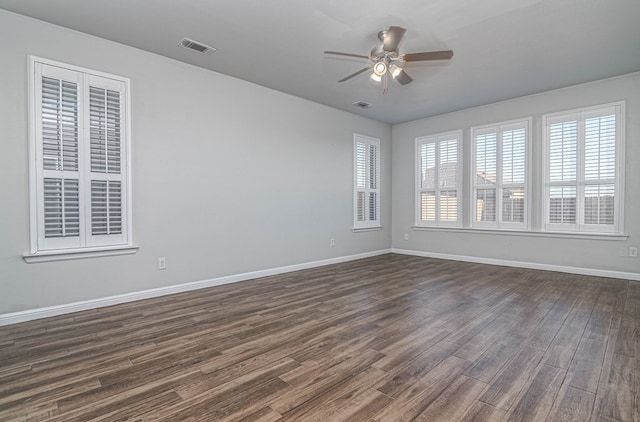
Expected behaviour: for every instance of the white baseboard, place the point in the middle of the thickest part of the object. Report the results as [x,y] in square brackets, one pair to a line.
[31,314]
[520,264]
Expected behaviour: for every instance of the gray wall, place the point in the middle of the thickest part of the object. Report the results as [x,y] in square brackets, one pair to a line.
[229,177]
[570,252]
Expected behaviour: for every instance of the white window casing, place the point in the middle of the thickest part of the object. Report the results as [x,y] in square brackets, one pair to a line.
[366,177]
[500,175]
[79,158]
[584,170]
[438,199]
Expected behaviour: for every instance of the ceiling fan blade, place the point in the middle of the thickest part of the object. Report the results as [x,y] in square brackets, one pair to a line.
[403,78]
[430,55]
[338,53]
[355,74]
[393,37]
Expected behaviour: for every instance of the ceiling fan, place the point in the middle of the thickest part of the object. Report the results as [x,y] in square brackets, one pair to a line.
[386,60]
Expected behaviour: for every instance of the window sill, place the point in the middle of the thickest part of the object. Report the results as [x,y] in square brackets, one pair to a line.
[67,254]
[366,229]
[506,232]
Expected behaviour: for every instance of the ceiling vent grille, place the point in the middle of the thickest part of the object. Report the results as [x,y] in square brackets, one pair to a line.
[361,104]
[196,46]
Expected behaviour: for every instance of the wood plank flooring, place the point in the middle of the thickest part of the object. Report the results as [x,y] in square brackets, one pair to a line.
[390,338]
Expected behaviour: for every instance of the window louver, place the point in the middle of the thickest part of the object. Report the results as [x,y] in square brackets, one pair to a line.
[59,125]
[104,127]
[79,140]
[61,208]
[582,173]
[500,179]
[367,192]
[438,178]
[106,207]
[105,130]
[59,117]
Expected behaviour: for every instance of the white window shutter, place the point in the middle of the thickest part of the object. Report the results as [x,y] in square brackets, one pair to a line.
[61,208]
[500,179]
[366,181]
[600,170]
[513,175]
[438,177]
[486,176]
[57,132]
[563,171]
[584,169]
[105,157]
[79,173]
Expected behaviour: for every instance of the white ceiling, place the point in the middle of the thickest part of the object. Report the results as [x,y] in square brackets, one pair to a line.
[503,48]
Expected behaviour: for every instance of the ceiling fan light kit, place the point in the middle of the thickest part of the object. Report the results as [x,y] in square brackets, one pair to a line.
[380,68]
[386,60]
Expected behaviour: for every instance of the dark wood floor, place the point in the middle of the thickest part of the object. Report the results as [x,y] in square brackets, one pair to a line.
[391,338]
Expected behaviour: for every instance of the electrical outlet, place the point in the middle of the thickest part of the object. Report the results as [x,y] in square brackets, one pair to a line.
[332,242]
[406,236]
[633,251]
[162,263]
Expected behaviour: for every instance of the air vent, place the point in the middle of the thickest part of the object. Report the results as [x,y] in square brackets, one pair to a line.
[361,104]
[196,46]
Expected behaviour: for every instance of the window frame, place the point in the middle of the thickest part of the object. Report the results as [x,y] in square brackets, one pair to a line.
[97,245]
[367,223]
[580,115]
[437,139]
[499,128]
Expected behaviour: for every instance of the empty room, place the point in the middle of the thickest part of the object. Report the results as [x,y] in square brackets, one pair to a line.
[320,211]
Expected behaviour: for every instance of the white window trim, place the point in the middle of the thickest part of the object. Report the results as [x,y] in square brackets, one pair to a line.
[436,139]
[520,233]
[618,227]
[498,224]
[368,224]
[82,252]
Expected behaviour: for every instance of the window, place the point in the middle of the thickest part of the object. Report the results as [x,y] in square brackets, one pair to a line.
[366,176]
[438,180]
[500,174]
[583,169]
[79,152]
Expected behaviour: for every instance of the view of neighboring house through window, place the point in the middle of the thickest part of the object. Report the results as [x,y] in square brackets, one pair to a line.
[583,169]
[500,175]
[366,179]
[438,172]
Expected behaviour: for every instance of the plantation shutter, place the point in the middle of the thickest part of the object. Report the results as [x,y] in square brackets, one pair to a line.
[79,171]
[486,176]
[437,180]
[600,169]
[57,144]
[448,180]
[361,181]
[367,191]
[513,175]
[372,164]
[563,171]
[105,158]
[428,176]
[582,176]
[500,179]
